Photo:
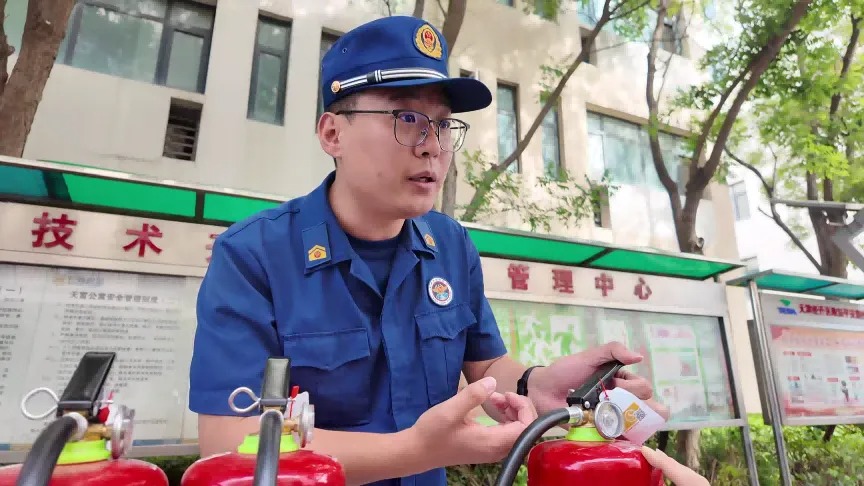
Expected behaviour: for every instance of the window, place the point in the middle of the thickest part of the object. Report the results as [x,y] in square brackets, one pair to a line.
[509,3]
[546,9]
[551,144]
[269,71]
[584,35]
[623,149]
[508,125]
[464,73]
[740,203]
[669,36]
[327,41]
[181,133]
[165,42]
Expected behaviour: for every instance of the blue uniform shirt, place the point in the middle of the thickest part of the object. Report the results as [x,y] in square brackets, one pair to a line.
[377,331]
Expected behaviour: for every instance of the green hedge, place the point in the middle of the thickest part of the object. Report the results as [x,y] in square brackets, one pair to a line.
[839,462]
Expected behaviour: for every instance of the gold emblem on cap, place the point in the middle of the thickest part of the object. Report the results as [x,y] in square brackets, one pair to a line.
[427,42]
[335,86]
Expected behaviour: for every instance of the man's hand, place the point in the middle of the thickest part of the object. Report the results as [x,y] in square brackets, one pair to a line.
[548,387]
[676,472]
[447,437]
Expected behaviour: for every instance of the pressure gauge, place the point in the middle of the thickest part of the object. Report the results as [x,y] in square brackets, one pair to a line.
[609,420]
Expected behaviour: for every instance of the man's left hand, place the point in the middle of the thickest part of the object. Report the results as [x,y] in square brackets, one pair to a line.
[548,387]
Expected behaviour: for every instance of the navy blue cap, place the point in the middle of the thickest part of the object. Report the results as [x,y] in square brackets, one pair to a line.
[396,51]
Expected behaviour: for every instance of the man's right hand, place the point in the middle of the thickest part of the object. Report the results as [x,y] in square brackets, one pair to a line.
[447,436]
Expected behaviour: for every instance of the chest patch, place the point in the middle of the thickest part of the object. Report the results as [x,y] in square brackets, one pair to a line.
[440,291]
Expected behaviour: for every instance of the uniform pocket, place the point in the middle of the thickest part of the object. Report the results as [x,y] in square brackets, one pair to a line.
[335,368]
[443,337]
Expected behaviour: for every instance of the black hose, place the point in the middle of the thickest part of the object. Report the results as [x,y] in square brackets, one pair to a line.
[39,464]
[510,467]
[267,459]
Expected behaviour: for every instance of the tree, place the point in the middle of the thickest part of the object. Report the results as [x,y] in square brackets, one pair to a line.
[484,183]
[21,91]
[811,120]
[737,66]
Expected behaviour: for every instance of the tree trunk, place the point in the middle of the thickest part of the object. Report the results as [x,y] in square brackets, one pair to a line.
[43,32]
[5,50]
[687,445]
[450,30]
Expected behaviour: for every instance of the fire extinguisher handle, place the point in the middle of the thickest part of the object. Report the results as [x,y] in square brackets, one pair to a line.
[275,386]
[85,387]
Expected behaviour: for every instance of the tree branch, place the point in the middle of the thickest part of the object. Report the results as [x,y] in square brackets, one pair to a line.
[492,173]
[777,219]
[848,57]
[418,8]
[758,65]
[769,189]
[453,21]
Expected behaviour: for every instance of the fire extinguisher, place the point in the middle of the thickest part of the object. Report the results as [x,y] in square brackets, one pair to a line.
[72,449]
[591,453]
[275,455]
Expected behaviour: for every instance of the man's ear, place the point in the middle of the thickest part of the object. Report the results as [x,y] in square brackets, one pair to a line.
[329,130]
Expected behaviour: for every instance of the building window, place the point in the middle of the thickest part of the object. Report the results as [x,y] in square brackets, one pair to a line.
[181,133]
[551,144]
[508,125]
[740,202]
[509,3]
[165,42]
[623,149]
[269,71]
[327,41]
[546,9]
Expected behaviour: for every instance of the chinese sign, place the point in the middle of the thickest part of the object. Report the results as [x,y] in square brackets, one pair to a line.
[818,351]
[561,282]
[105,236]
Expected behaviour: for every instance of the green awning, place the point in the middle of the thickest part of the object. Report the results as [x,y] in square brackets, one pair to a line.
[796,283]
[519,245]
[87,188]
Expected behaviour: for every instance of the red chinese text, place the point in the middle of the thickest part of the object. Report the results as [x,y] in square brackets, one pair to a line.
[642,290]
[60,229]
[518,274]
[604,283]
[142,239]
[562,280]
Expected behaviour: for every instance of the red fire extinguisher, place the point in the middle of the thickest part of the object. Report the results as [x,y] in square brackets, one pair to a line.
[591,453]
[72,449]
[274,456]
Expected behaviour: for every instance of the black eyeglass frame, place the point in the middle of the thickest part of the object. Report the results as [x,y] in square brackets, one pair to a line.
[395,114]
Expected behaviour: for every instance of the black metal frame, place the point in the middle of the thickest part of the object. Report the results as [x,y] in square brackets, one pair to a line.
[166,43]
[284,56]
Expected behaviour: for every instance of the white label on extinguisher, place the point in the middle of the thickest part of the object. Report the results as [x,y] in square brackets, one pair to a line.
[640,420]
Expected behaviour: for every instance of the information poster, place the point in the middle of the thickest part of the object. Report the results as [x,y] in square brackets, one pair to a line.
[684,355]
[817,349]
[49,317]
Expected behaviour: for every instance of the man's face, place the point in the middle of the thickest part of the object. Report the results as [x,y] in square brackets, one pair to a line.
[384,174]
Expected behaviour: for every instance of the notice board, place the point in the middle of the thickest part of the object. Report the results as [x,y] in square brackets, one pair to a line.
[49,317]
[817,357]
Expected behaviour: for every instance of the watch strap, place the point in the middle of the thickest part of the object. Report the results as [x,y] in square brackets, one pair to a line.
[522,384]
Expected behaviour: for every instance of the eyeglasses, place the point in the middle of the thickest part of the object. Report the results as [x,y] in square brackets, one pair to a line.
[411,128]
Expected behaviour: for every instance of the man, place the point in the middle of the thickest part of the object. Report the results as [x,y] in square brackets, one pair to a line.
[377,300]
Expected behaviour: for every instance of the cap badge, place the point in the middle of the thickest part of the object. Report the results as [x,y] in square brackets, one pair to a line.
[427,42]
[335,86]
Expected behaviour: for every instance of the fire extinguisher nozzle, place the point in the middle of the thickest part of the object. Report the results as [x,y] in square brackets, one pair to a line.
[517,455]
[267,459]
[39,464]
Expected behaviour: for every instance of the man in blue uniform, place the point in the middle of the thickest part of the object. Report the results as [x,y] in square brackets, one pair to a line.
[377,300]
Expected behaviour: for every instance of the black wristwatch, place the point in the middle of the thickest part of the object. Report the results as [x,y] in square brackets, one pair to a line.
[522,384]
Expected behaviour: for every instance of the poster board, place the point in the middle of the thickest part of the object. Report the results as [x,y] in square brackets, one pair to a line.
[49,317]
[547,311]
[817,356]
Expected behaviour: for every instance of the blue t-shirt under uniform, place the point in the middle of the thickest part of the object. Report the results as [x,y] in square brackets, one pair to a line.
[377,332]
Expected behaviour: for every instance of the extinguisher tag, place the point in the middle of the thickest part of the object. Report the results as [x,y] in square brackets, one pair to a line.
[640,420]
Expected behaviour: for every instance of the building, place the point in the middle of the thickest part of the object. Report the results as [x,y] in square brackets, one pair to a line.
[226,95]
